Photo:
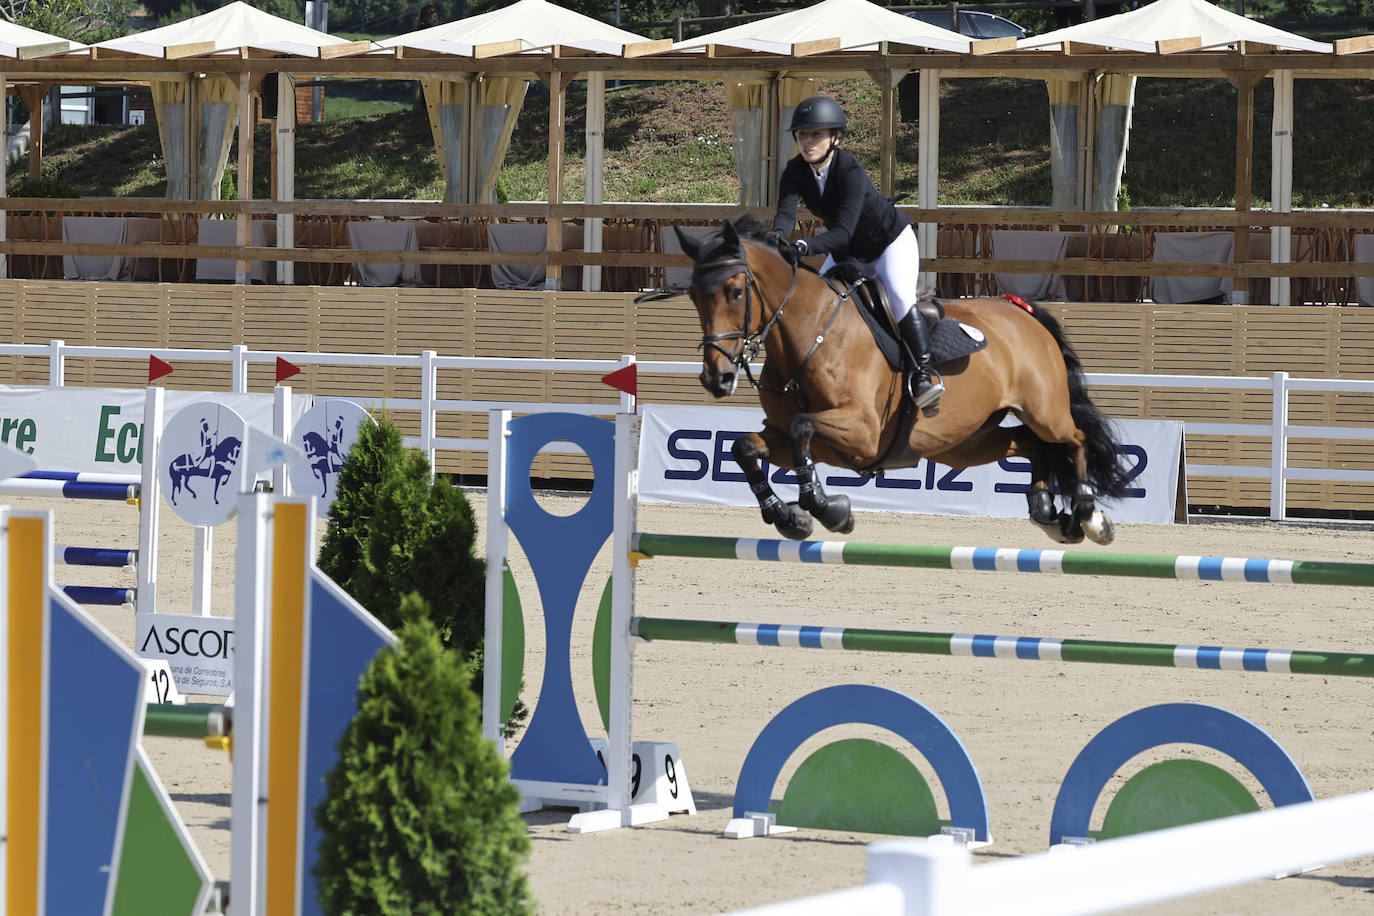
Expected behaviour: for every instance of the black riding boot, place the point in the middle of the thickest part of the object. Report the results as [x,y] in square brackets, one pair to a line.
[925,392]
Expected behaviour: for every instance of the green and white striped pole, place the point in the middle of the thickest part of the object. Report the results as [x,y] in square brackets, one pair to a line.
[1028,648]
[1009,559]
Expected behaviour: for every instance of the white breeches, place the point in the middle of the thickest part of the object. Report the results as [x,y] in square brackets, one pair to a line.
[899,267]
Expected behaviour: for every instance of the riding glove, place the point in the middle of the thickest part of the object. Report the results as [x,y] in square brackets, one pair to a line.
[794,252]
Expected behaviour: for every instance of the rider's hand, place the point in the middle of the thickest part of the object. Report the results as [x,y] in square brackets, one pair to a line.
[794,252]
[777,238]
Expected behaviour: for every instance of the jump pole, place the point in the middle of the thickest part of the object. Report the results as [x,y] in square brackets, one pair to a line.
[1026,648]
[1008,559]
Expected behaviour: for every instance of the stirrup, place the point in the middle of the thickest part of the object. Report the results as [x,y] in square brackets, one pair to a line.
[927,397]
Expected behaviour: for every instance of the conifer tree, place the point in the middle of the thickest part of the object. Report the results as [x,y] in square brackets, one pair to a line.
[420,817]
[394,530]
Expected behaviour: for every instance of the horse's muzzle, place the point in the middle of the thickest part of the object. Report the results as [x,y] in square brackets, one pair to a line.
[719,384]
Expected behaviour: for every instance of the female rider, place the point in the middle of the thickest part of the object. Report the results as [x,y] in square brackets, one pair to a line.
[859,223]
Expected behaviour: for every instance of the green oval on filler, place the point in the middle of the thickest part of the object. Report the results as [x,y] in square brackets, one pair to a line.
[1172,793]
[863,786]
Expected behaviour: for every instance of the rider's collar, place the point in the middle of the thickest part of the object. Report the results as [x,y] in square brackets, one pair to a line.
[822,173]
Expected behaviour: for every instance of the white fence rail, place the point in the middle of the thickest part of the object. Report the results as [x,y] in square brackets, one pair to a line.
[920,878]
[1279,385]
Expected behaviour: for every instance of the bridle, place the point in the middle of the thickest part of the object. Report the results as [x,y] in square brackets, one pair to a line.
[712,275]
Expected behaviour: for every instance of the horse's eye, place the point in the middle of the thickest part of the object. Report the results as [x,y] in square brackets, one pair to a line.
[736,293]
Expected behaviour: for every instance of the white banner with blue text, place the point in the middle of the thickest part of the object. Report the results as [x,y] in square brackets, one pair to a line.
[684,457]
[101,429]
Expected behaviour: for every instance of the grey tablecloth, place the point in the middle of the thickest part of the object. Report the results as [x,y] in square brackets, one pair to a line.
[1030,245]
[1200,247]
[380,235]
[100,230]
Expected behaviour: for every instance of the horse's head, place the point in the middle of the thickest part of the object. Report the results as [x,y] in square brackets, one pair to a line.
[730,304]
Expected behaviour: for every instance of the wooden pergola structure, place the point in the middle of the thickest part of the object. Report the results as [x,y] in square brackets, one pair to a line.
[1244,65]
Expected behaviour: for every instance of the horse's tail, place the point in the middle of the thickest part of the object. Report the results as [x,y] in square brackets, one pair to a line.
[1107,472]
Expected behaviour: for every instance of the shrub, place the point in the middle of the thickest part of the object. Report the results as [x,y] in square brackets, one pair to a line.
[393,531]
[420,817]
[42,187]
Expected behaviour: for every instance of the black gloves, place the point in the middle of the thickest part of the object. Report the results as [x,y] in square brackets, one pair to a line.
[792,252]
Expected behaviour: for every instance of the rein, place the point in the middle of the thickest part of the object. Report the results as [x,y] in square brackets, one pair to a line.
[753,343]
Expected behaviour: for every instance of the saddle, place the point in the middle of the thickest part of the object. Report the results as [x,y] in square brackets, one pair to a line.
[948,339]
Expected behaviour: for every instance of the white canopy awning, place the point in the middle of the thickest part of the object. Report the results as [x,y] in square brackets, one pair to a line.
[831,25]
[18,42]
[1201,25]
[526,25]
[228,28]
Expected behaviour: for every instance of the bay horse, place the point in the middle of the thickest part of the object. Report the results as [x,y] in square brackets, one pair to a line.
[829,394]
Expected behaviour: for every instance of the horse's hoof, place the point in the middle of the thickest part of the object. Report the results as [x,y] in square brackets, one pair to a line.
[1100,528]
[836,515]
[796,524]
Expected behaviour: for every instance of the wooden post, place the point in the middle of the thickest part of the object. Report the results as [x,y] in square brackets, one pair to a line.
[244,235]
[4,173]
[596,167]
[284,134]
[1244,81]
[557,81]
[33,97]
[887,80]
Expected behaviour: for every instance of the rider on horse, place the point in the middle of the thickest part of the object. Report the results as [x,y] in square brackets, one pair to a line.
[859,223]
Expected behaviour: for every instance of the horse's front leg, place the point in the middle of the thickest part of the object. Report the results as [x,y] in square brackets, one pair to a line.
[831,511]
[789,518]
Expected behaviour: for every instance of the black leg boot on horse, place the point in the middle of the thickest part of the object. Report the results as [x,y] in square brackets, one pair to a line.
[831,511]
[920,386]
[791,520]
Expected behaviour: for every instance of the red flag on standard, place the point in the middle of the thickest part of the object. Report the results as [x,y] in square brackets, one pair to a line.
[157,368]
[626,380]
[286,369]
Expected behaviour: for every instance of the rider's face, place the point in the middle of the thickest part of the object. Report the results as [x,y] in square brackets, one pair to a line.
[815,145]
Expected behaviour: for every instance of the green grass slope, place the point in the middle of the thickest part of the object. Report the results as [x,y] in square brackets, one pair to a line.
[672,142]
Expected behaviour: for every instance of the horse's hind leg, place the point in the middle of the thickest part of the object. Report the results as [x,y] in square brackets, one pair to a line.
[831,511]
[789,518]
[1087,517]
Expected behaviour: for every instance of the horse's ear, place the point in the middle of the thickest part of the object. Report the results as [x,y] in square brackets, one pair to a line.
[690,246]
[731,234]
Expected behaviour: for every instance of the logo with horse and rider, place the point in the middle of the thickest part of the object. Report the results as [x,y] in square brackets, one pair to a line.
[324,434]
[201,477]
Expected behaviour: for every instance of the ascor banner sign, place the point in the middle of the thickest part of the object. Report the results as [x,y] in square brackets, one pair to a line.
[684,457]
[101,429]
[199,650]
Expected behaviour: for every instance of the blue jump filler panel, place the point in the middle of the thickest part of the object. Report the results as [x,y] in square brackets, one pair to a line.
[1171,723]
[868,705]
[555,746]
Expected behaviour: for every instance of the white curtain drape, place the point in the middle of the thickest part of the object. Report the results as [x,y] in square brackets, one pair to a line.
[219,108]
[170,106]
[472,149]
[1065,113]
[749,115]
[1115,99]
[203,108]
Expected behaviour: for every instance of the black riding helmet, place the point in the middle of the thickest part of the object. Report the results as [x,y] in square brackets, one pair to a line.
[818,113]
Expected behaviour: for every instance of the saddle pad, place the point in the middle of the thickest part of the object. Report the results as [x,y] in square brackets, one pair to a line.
[951,339]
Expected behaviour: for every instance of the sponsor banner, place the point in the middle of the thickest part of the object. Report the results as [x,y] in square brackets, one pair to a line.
[199,650]
[101,429]
[684,457]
